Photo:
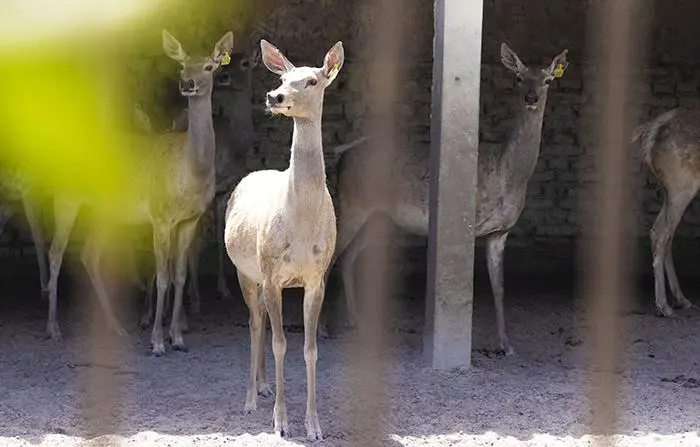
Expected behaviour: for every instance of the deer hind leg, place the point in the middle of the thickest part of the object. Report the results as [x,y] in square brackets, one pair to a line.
[148,303]
[64,219]
[495,249]
[219,213]
[251,295]
[32,211]
[186,232]
[91,256]
[661,235]
[313,301]
[681,300]
[272,297]
[193,266]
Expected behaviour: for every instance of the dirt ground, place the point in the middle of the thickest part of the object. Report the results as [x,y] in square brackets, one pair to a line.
[196,398]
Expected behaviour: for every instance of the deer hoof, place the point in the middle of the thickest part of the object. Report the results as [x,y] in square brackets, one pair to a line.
[313,428]
[53,332]
[664,311]
[264,390]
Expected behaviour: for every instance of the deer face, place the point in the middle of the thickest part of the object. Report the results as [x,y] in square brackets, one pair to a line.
[533,84]
[301,92]
[237,75]
[196,76]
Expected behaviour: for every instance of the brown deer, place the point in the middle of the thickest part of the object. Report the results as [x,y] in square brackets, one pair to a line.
[281,230]
[503,176]
[670,146]
[179,175]
[234,133]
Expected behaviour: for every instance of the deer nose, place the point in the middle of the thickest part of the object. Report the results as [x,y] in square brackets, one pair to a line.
[275,99]
[531,98]
[187,85]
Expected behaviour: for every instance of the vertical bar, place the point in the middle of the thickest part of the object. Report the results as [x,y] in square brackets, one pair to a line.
[453,168]
[618,34]
[385,51]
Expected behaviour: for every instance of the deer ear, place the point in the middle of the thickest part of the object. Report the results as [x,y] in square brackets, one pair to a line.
[173,48]
[558,65]
[223,47]
[273,58]
[333,62]
[511,60]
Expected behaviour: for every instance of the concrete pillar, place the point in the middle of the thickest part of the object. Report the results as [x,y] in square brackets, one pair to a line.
[453,167]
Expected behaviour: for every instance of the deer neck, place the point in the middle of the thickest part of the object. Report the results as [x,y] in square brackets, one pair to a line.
[200,134]
[523,147]
[307,171]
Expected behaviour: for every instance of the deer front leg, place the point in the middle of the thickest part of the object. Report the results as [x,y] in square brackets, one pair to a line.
[148,303]
[33,218]
[92,253]
[495,248]
[272,296]
[162,250]
[313,301]
[185,234]
[64,219]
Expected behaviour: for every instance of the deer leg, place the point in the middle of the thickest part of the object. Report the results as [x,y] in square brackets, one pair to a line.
[133,272]
[185,233]
[495,248]
[162,250]
[272,296]
[661,235]
[193,266]
[64,219]
[6,213]
[263,385]
[148,303]
[252,300]
[219,212]
[33,218]
[313,301]
[673,278]
[92,253]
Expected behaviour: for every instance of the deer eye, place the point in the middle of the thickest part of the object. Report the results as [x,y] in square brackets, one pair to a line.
[519,79]
[208,67]
[547,81]
[245,64]
[311,82]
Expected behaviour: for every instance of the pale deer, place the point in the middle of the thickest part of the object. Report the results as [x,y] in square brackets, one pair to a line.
[281,230]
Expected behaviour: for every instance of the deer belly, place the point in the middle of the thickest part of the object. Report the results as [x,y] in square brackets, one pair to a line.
[413,219]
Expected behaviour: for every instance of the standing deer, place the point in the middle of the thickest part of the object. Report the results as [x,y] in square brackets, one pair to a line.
[670,146]
[281,230]
[503,176]
[15,185]
[179,175]
[233,130]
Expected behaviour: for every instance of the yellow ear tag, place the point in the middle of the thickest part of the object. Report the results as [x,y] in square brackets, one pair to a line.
[226,59]
[334,72]
[559,71]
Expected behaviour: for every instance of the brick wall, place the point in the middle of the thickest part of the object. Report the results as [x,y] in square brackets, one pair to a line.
[305,30]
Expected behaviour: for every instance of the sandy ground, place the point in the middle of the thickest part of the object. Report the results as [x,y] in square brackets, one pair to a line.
[196,398]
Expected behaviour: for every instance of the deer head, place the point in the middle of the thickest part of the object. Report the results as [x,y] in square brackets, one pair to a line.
[533,84]
[196,76]
[301,92]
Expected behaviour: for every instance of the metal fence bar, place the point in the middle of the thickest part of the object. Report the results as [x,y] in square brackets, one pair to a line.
[375,280]
[614,35]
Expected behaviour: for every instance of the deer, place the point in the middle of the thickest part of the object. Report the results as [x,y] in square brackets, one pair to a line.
[670,147]
[234,132]
[503,176]
[280,231]
[179,179]
[16,186]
